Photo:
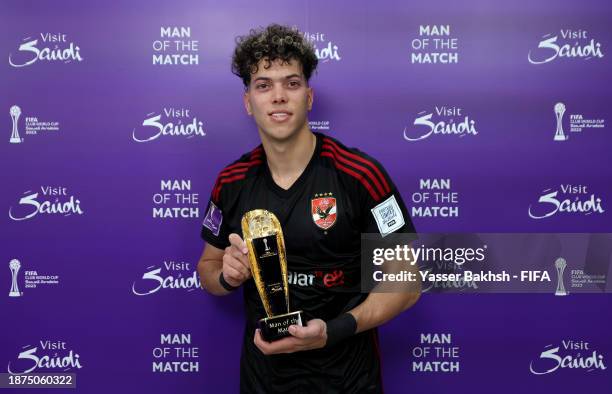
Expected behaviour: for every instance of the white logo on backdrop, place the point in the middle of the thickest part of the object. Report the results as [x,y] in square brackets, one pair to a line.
[15,112]
[33,125]
[559,111]
[54,356]
[560,265]
[55,47]
[53,201]
[572,44]
[175,122]
[570,199]
[173,276]
[14,266]
[325,49]
[567,356]
[577,123]
[447,121]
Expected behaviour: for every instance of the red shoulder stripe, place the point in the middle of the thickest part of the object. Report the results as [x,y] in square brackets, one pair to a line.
[363,160]
[236,172]
[257,152]
[238,167]
[338,156]
[230,179]
[354,174]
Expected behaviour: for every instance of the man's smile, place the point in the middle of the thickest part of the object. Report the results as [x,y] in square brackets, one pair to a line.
[280,116]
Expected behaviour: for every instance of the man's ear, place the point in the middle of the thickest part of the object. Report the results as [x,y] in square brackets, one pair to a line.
[247,104]
[310,94]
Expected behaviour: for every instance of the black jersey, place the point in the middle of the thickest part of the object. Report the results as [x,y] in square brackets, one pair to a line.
[341,193]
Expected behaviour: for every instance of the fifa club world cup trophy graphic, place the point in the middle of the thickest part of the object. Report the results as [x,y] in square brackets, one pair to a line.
[15,113]
[14,265]
[559,111]
[264,238]
[560,264]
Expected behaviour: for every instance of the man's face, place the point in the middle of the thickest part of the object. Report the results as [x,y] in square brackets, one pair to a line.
[279,99]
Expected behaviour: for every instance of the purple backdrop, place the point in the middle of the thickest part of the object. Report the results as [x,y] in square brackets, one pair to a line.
[102,208]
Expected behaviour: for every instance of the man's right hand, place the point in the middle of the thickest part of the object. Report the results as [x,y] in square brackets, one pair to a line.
[236,268]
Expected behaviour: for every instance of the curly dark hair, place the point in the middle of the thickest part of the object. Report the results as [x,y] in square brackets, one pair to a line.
[272,43]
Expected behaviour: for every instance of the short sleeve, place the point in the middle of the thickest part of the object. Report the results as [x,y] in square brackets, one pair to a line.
[219,220]
[384,209]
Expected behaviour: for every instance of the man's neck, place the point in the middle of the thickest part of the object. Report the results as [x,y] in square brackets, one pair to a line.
[288,159]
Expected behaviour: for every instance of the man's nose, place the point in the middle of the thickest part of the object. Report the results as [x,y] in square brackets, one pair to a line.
[278,94]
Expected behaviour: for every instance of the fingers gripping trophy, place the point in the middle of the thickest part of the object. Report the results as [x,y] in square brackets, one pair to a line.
[267,257]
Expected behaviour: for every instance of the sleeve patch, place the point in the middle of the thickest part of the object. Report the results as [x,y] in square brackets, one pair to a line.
[388,216]
[213,219]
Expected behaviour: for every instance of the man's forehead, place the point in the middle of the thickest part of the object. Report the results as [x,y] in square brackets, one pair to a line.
[277,69]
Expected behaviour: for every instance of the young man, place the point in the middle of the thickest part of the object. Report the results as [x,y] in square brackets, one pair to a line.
[325,195]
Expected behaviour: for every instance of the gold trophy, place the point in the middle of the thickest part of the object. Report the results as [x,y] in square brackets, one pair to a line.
[263,235]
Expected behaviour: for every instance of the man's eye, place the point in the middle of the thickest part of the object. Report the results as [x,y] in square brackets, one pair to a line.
[294,84]
[261,86]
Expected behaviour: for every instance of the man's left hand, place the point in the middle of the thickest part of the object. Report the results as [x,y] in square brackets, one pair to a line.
[311,336]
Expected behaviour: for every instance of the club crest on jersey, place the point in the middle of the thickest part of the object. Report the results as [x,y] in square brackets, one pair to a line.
[323,209]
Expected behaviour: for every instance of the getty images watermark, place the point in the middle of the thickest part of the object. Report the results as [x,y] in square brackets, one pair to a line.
[486,263]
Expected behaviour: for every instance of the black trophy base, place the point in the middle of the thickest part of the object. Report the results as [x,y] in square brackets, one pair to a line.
[277,327]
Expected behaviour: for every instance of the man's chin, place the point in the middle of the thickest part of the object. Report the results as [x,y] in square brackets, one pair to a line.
[280,135]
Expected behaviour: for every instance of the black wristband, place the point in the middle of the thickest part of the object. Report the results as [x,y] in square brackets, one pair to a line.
[340,328]
[226,285]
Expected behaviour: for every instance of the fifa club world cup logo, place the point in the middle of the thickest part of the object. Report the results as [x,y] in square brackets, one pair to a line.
[14,265]
[560,264]
[559,111]
[15,113]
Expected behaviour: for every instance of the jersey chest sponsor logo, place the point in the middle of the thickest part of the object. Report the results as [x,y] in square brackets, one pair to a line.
[324,210]
[326,279]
